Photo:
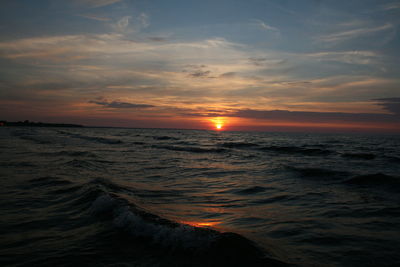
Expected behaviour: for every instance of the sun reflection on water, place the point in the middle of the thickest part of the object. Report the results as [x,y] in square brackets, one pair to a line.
[201,223]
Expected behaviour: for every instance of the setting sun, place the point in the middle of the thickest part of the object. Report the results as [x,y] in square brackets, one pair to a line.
[218,123]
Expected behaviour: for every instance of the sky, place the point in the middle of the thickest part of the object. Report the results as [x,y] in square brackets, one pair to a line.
[262,65]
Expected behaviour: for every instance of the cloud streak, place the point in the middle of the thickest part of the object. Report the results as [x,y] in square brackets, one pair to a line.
[390,104]
[94,17]
[264,26]
[391,6]
[315,117]
[354,33]
[98,3]
[120,105]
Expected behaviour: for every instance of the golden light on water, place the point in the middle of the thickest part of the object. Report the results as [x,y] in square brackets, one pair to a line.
[200,224]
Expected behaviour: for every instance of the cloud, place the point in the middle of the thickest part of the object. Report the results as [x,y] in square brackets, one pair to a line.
[197,71]
[315,117]
[94,17]
[228,74]
[84,46]
[215,71]
[390,104]
[157,39]
[264,26]
[98,3]
[349,57]
[257,61]
[120,105]
[354,33]
[122,24]
[391,6]
[128,24]
[200,74]
[135,67]
[144,20]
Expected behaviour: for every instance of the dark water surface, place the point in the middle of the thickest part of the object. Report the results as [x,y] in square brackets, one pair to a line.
[136,197]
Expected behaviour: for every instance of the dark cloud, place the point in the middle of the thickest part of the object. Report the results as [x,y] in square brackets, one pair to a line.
[297,83]
[118,104]
[390,104]
[157,39]
[197,71]
[97,3]
[257,61]
[227,75]
[393,99]
[194,66]
[316,117]
[200,74]
[323,118]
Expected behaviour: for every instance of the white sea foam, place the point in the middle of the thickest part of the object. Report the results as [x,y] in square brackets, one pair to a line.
[163,233]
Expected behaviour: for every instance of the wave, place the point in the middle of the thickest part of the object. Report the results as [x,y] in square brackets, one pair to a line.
[35,139]
[192,149]
[138,143]
[56,186]
[374,179]
[366,156]
[251,190]
[279,198]
[297,150]
[48,181]
[84,164]
[317,172]
[189,245]
[70,154]
[151,227]
[164,137]
[17,164]
[393,159]
[97,139]
[238,145]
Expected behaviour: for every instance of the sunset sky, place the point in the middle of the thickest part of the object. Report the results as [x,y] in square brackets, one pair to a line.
[246,65]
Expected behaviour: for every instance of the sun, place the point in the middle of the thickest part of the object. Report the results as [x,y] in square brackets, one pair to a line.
[218,123]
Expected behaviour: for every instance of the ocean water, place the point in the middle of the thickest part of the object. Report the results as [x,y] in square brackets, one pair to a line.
[150,197]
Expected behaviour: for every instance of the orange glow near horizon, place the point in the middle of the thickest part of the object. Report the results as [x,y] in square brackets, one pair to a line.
[218,123]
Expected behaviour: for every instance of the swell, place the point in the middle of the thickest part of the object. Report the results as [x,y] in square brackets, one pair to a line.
[297,150]
[238,145]
[31,135]
[365,156]
[201,246]
[96,139]
[99,223]
[375,179]
[317,173]
[193,149]
[101,207]
[164,137]
[70,153]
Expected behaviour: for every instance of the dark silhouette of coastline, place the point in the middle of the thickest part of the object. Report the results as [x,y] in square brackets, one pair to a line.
[37,124]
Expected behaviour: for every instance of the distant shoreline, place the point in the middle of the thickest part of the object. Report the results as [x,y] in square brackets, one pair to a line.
[37,124]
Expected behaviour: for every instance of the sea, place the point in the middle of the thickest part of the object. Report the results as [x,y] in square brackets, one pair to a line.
[166,197]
